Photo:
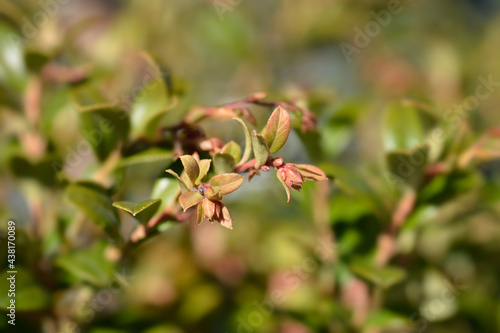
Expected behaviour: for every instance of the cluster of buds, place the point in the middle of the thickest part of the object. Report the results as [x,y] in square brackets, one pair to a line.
[214,210]
[292,176]
[207,196]
[229,160]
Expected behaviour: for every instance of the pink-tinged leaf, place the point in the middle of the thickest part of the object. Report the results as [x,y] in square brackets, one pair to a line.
[277,129]
[227,224]
[208,209]
[310,172]
[199,214]
[226,220]
[284,185]
[226,183]
[189,199]
[191,167]
[218,207]
[204,167]
[182,184]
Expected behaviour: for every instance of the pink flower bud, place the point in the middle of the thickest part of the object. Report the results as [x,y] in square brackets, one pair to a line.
[291,176]
[278,162]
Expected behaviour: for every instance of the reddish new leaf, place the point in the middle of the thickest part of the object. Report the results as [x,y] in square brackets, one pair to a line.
[310,172]
[226,220]
[277,129]
[208,209]
[189,199]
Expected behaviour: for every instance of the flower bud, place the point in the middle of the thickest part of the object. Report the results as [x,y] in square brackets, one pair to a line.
[278,162]
[291,176]
[214,210]
[205,189]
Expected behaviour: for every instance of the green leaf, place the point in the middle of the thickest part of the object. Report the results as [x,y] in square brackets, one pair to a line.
[107,330]
[233,149]
[12,68]
[29,295]
[226,183]
[163,328]
[88,265]
[149,156]
[165,189]
[45,171]
[446,187]
[277,129]
[349,208]
[204,167]
[151,99]
[384,319]
[384,277]
[335,138]
[260,149]
[93,201]
[35,60]
[223,163]
[167,117]
[190,167]
[199,301]
[87,94]
[248,143]
[408,166]
[403,127]
[142,211]
[189,199]
[104,127]
[338,131]
[166,225]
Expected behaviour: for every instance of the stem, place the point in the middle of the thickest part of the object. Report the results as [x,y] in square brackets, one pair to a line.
[150,229]
[245,167]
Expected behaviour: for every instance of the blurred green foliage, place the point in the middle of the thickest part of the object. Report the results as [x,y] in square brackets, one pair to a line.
[406,239]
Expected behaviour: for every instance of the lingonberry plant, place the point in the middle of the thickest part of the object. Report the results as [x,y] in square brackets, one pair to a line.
[204,181]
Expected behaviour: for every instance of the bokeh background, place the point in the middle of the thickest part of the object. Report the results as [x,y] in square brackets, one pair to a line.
[372,251]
